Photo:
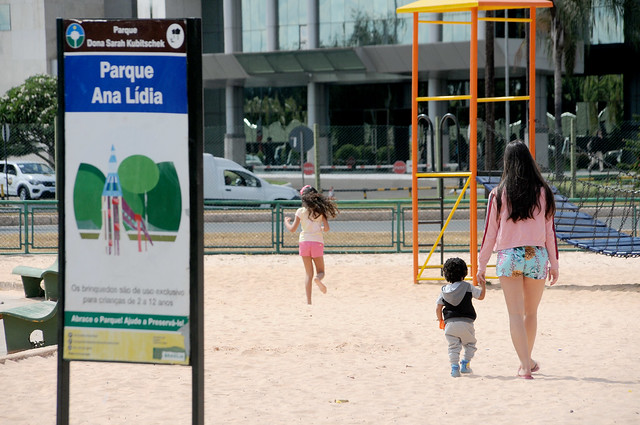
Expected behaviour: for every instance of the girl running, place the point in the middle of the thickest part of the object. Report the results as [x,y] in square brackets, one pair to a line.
[313,219]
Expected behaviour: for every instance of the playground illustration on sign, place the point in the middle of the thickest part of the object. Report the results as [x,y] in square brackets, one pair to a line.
[138,201]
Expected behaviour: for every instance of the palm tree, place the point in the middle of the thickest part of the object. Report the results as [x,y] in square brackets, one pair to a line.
[490,89]
[570,23]
[568,26]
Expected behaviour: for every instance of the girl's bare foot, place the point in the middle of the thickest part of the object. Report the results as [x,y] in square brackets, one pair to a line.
[321,285]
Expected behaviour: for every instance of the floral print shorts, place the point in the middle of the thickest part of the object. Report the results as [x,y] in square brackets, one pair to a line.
[527,261]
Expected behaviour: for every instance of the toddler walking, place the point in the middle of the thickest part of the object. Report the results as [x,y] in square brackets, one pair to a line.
[456,314]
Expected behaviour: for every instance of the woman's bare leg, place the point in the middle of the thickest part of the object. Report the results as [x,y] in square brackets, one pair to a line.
[533,290]
[513,290]
[308,270]
[319,262]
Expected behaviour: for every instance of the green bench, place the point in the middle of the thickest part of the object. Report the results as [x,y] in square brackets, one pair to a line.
[21,323]
[32,277]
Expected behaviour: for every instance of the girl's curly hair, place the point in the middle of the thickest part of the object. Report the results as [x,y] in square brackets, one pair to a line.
[317,203]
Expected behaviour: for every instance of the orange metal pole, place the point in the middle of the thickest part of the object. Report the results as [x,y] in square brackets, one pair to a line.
[532,82]
[473,144]
[414,145]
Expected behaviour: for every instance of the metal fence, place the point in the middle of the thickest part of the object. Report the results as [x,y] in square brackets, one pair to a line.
[368,226]
[257,228]
[28,227]
[376,148]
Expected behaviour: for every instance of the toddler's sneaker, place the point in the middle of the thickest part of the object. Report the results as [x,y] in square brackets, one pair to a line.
[455,370]
[464,366]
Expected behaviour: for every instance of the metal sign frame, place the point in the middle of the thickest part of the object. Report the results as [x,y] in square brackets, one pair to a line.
[193,210]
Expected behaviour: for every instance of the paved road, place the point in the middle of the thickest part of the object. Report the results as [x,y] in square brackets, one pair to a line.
[352,186]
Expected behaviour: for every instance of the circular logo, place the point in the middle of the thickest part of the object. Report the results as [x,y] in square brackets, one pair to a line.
[175,36]
[75,35]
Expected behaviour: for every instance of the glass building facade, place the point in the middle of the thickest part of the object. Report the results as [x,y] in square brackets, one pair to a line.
[254,28]
[375,22]
[608,25]
[341,24]
[292,29]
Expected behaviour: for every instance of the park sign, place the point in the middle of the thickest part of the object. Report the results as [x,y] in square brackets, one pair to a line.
[130,181]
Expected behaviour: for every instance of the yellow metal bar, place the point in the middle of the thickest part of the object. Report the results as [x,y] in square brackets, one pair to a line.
[467,97]
[446,223]
[442,278]
[431,278]
[451,174]
[505,19]
[445,22]
[501,98]
[430,98]
[440,266]
[422,279]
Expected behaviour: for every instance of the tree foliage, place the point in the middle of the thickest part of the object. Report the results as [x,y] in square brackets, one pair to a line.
[601,91]
[571,22]
[369,31]
[30,110]
[270,108]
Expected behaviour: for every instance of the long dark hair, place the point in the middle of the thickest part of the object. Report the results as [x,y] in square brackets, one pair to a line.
[522,182]
[317,203]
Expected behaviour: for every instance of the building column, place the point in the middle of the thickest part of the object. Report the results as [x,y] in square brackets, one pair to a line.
[317,114]
[313,27]
[542,129]
[272,25]
[232,26]
[317,111]
[482,26]
[435,31]
[235,142]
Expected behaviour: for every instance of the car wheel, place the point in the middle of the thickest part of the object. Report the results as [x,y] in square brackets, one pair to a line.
[24,194]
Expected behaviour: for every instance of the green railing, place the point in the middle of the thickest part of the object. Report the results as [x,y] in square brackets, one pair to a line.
[28,227]
[361,226]
[365,226]
[252,228]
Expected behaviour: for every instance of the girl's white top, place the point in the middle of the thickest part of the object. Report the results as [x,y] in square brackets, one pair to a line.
[311,227]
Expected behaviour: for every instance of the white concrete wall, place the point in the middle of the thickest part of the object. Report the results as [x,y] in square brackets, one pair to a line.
[23,48]
[30,47]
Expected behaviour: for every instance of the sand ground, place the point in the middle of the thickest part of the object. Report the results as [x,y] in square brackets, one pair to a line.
[367,352]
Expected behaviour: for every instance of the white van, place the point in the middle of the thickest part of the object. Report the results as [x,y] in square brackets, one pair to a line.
[227,180]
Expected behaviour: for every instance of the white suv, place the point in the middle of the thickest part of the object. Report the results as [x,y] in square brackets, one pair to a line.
[28,180]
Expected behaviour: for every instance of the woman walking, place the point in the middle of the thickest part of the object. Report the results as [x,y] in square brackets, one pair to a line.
[519,227]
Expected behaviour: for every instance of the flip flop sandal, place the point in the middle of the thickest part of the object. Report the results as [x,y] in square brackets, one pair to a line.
[526,376]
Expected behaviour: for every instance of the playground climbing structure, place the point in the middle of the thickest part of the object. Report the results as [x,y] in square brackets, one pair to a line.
[473,7]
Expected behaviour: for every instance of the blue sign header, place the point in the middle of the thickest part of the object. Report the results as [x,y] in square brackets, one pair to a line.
[125,83]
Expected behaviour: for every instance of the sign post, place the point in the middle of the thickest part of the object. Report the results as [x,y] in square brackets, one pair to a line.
[301,138]
[130,167]
[6,133]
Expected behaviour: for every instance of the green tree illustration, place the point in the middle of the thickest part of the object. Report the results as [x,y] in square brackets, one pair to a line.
[138,175]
